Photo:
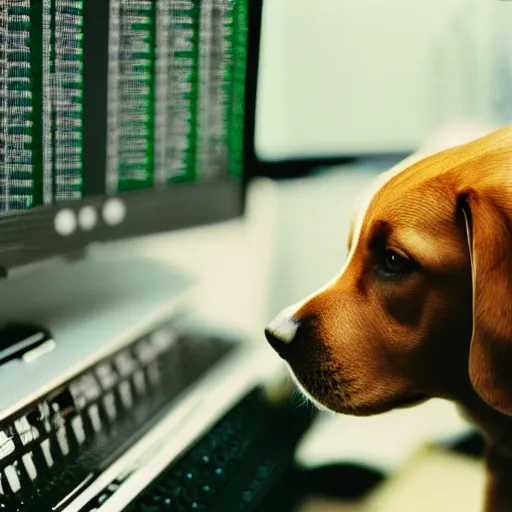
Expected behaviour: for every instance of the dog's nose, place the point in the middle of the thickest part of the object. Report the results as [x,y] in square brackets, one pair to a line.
[281,332]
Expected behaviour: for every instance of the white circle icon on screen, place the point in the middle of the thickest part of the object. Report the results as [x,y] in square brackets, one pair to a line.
[65,222]
[114,212]
[87,218]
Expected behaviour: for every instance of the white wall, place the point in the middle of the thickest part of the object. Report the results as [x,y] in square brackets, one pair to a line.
[345,76]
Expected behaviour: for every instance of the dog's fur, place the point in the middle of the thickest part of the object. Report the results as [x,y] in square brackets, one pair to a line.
[368,341]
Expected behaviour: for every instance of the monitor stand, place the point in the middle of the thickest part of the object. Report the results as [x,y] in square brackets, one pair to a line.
[91,308]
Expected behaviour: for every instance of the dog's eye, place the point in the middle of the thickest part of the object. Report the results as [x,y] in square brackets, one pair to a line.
[392,264]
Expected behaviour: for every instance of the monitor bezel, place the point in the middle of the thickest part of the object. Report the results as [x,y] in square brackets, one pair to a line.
[30,237]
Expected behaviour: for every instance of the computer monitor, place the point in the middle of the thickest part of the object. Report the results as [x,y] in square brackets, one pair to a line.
[120,118]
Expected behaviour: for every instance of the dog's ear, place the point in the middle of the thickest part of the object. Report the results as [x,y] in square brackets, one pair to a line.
[489,230]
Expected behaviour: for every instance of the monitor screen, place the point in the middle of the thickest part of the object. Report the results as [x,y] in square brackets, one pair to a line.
[117,118]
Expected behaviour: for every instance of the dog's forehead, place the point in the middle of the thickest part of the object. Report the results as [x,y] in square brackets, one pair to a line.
[369,193]
[367,196]
[404,186]
[451,149]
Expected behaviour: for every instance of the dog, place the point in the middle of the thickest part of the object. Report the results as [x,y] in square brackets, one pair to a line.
[423,305]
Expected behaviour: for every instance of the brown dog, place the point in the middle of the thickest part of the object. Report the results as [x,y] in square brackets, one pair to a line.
[423,305]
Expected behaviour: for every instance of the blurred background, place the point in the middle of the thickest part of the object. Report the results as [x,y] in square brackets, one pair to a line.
[376,77]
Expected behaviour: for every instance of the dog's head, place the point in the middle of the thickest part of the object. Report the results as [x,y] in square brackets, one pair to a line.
[423,305]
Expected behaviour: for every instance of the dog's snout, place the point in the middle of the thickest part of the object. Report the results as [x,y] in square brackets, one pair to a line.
[281,332]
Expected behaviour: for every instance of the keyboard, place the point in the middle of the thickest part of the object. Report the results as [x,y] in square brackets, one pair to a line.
[232,467]
[59,444]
